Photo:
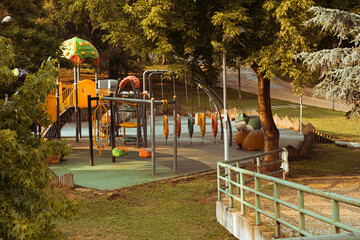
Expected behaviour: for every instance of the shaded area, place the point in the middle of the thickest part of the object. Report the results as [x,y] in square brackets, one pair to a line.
[127,171]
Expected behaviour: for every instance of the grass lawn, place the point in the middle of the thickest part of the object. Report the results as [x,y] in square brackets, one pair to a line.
[182,209]
[324,159]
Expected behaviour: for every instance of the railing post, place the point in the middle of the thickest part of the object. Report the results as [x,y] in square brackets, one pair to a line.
[238,178]
[219,182]
[231,200]
[242,192]
[277,209]
[257,201]
[301,205]
[335,215]
[258,165]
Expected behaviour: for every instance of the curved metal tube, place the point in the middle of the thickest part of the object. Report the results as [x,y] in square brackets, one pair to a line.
[144,76]
[211,93]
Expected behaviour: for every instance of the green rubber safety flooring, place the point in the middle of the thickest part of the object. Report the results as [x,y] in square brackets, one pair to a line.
[193,156]
[127,171]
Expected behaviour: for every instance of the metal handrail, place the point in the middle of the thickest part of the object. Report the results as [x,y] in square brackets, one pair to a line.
[226,185]
[67,98]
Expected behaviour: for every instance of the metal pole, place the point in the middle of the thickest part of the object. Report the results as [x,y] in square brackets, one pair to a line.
[80,133]
[162,87]
[77,96]
[226,140]
[332,103]
[76,105]
[58,122]
[186,92]
[150,81]
[173,80]
[112,126]
[96,92]
[96,77]
[90,132]
[300,114]
[78,74]
[152,117]
[175,136]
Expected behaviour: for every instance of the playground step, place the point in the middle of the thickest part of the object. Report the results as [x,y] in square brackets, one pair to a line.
[50,132]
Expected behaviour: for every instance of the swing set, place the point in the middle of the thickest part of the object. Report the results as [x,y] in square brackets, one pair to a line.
[192,118]
[106,120]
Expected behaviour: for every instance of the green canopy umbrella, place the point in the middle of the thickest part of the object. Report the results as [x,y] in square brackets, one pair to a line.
[77,49]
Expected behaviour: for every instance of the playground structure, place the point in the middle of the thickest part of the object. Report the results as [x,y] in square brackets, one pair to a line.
[139,104]
[113,106]
[141,120]
[63,103]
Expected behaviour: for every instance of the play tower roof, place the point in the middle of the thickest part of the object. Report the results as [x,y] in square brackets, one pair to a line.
[77,50]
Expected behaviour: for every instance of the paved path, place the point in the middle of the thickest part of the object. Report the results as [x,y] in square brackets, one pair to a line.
[279,89]
[344,185]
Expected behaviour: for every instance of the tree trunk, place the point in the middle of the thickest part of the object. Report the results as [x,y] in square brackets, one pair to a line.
[271,133]
[239,79]
[114,64]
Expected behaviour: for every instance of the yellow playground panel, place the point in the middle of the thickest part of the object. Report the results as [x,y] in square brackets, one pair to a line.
[86,87]
[50,104]
[67,97]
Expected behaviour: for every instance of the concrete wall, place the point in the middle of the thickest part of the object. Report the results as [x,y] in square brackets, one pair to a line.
[240,226]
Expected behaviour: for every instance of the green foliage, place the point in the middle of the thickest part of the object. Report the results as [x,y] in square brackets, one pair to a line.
[26,211]
[339,65]
[33,38]
[276,33]
[57,147]
[178,32]
[6,57]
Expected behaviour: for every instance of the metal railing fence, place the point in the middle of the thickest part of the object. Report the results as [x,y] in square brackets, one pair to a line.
[227,184]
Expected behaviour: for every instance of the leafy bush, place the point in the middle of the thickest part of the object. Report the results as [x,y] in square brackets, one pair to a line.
[27,210]
[57,147]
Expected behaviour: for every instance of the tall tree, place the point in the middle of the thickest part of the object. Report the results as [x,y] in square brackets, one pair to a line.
[34,38]
[191,32]
[179,31]
[274,35]
[27,209]
[339,66]
[84,19]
